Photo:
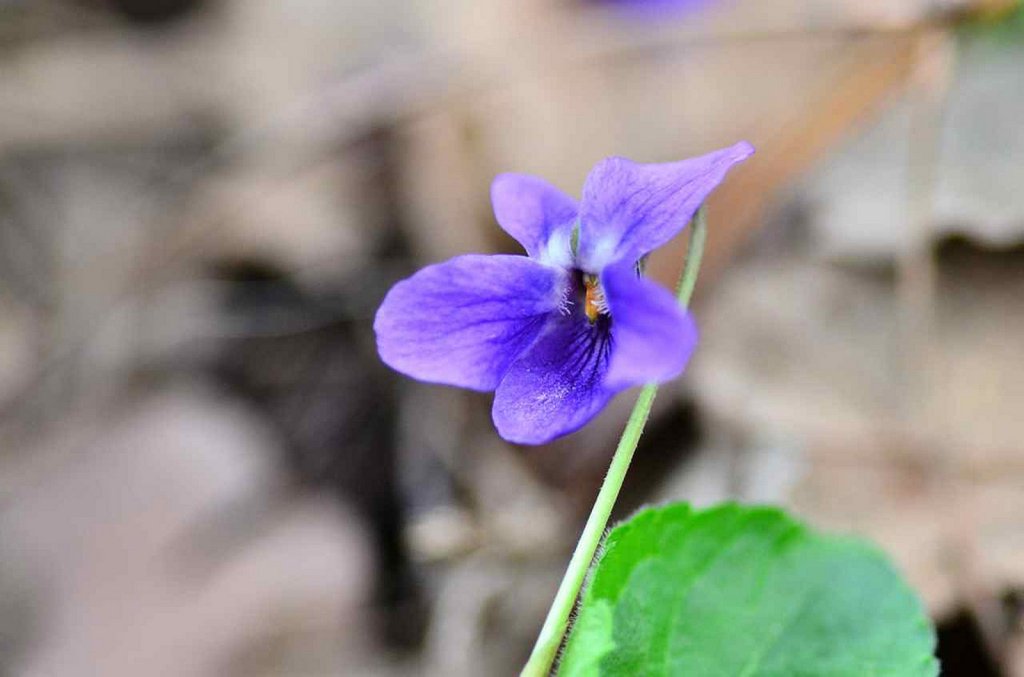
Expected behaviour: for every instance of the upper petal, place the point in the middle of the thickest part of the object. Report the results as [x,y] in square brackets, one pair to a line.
[629,209]
[557,385]
[533,211]
[653,337]
[464,321]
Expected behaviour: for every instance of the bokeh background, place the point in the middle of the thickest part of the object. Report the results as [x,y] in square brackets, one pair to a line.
[204,468]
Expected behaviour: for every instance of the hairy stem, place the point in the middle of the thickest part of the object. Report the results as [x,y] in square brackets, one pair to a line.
[556,623]
[694,255]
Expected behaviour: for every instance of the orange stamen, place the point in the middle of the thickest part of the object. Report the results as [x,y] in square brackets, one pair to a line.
[593,299]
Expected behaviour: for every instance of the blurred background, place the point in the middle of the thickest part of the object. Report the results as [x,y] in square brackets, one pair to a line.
[206,470]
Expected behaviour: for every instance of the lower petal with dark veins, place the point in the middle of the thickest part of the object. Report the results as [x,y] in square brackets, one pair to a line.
[557,385]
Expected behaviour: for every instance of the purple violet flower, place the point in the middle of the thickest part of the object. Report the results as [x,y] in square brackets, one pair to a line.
[655,8]
[558,333]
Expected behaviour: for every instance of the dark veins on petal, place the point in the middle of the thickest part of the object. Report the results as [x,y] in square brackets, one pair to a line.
[586,354]
[590,348]
[558,384]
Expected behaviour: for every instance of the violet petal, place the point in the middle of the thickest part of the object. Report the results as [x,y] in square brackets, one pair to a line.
[653,336]
[629,209]
[557,385]
[464,321]
[533,212]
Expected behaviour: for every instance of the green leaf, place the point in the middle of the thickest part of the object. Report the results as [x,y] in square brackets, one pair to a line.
[744,591]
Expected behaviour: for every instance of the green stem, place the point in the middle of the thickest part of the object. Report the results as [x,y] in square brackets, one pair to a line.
[694,255]
[555,625]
